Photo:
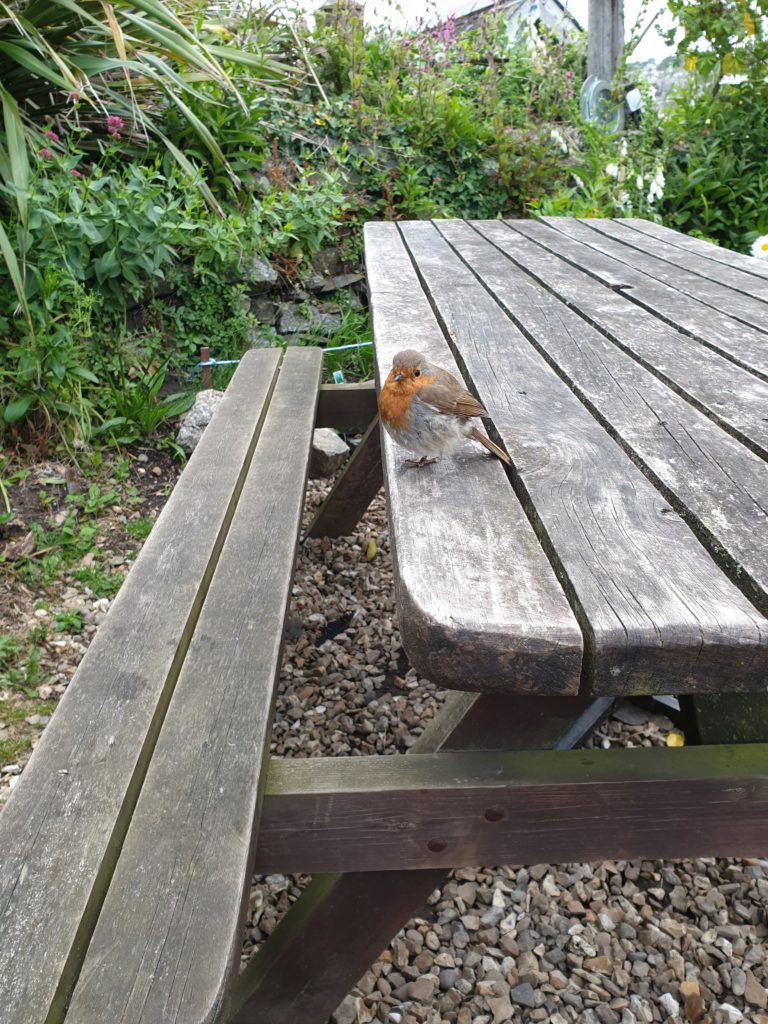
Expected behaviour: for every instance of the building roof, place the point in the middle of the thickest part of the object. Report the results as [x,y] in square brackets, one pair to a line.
[474,7]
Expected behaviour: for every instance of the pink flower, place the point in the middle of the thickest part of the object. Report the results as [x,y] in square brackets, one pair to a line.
[46,154]
[75,173]
[115,125]
[437,180]
[51,135]
[73,97]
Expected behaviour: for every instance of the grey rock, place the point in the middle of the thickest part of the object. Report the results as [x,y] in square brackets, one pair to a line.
[264,310]
[347,1012]
[302,319]
[732,1014]
[197,419]
[319,283]
[448,978]
[738,981]
[329,452]
[258,274]
[327,262]
[523,995]
[501,1008]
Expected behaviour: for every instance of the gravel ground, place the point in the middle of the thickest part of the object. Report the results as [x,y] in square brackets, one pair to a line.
[612,943]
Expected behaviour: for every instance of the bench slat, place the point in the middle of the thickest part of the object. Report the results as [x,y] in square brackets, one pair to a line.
[747,264]
[61,830]
[704,470]
[651,630]
[168,940]
[691,359]
[738,308]
[447,524]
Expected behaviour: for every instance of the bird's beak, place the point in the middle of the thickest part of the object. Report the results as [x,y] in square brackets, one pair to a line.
[399,376]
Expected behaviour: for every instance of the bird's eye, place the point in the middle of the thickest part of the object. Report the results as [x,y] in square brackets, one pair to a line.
[417,373]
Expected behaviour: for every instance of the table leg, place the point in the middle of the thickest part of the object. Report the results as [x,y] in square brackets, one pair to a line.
[726,718]
[340,923]
[355,489]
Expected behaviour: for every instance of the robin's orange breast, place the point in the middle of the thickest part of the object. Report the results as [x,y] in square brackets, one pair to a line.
[394,402]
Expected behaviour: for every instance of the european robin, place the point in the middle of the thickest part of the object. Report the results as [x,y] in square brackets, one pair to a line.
[427,411]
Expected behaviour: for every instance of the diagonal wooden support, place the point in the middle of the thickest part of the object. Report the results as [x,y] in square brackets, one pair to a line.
[357,486]
[341,922]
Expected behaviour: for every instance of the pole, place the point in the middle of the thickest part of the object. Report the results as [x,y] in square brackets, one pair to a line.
[605,37]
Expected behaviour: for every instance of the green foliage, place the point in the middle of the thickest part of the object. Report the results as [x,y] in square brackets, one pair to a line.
[723,38]
[717,178]
[68,621]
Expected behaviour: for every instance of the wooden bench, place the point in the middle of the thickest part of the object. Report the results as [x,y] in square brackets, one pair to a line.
[126,848]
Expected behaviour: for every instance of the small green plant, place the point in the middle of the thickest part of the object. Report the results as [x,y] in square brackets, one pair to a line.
[94,500]
[68,621]
[139,529]
[98,581]
[9,650]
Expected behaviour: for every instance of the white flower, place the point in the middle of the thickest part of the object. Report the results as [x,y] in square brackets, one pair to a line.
[558,140]
[612,170]
[656,190]
[760,247]
[578,181]
[623,149]
[639,181]
[623,200]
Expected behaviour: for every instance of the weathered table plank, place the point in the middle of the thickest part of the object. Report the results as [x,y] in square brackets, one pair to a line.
[61,831]
[730,277]
[716,483]
[167,943]
[649,631]
[731,393]
[610,237]
[472,614]
[515,808]
[759,268]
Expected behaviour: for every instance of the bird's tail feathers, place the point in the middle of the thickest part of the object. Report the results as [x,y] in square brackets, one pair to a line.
[478,435]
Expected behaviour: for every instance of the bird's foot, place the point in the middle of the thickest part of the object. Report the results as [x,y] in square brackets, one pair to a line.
[418,463]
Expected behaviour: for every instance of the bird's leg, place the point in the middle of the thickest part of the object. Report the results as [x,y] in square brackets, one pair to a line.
[419,463]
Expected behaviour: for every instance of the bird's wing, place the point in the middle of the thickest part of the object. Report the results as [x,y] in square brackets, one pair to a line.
[449,397]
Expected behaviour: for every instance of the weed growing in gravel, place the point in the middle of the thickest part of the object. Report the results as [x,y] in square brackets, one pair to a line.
[68,621]
[139,529]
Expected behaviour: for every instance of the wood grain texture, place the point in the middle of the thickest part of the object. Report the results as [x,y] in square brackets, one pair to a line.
[716,483]
[298,976]
[347,407]
[655,625]
[725,275]
[167,943]
[61,830]
[742,308]
[479,605]
[359,482]
[658,311]
[717,253]
[549,807]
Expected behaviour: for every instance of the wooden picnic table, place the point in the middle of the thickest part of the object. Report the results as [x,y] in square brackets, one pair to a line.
[625,371]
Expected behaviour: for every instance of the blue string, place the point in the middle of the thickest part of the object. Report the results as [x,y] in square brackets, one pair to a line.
[234,362]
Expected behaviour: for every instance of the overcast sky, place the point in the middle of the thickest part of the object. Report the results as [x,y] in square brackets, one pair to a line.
[408,11]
